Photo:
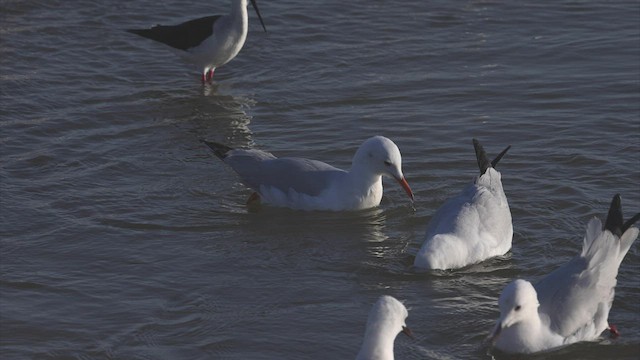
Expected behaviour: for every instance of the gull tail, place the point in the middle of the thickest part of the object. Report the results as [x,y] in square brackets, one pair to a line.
[220,150]
[616,225]
[483,160]
[616,235]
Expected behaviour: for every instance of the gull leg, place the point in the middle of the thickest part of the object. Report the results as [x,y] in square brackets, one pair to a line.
[253,198]
[614,331]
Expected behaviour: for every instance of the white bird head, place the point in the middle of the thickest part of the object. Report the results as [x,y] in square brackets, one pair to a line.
[390,313]
[381,156]
[518,302]
[386,320]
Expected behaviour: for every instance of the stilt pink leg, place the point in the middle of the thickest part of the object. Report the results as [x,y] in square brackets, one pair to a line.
[207,75]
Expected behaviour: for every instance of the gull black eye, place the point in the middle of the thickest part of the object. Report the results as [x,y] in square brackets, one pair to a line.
[518,308]
[387,163]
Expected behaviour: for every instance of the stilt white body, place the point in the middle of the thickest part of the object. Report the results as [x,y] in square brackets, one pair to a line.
[229,36]
[208,42]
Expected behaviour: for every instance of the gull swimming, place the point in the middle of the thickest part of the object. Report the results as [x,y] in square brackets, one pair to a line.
[572,303]
[472,226]
[386,320]
[209,42]
[305,184]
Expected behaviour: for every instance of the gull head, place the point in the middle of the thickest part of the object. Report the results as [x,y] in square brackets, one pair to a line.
[391,314]
[386,320]
[518,303]
[381,156]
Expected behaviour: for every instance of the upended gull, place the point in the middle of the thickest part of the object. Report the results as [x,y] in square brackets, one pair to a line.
[306,184]
[472,226]
[386,320]
[572,303]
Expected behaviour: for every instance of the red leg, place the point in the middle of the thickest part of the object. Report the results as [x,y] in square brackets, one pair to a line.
[210,75]
[255,197]
[614,331]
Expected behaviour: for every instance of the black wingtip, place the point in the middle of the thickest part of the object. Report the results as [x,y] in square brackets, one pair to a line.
[614,222]
[481,156]
[483,160]
[218,149]
[630,222]
[497,158]
[135,31]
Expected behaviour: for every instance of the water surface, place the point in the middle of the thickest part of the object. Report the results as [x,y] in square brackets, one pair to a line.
[124,238]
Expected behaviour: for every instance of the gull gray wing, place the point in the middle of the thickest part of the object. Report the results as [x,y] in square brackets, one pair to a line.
[564,296]
[444,219]
[258,168]
[578,296]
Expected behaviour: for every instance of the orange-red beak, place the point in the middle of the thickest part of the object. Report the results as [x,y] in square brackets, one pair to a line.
[405,185]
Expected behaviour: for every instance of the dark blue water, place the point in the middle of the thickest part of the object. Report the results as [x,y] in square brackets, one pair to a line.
[124,238]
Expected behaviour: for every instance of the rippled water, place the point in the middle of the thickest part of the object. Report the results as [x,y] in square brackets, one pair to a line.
[122,237]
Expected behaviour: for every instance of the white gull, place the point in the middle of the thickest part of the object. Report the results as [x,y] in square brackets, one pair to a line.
[472,226]
[306,184]
[572,303]
[386,320]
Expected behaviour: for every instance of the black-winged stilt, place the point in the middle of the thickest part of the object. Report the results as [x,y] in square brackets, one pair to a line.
[209,42]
